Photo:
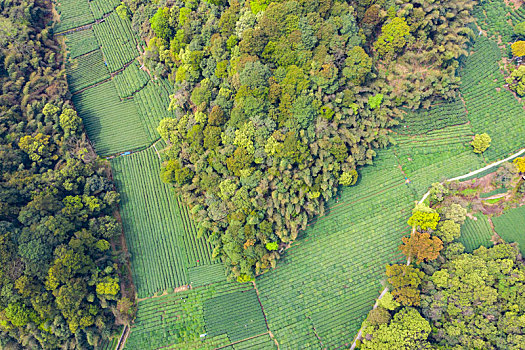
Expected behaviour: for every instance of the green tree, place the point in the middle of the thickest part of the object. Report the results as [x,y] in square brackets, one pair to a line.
[37,147]
[405,281]
[423,218]
[393,37]
[123,11]
[481,142]
[70,122]
[160,23]
[408,330]
[519,29]
[172,172]
[438,192]
[348,178]
[357,65]
[448,231]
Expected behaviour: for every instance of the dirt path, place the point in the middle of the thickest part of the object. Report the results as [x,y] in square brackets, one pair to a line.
[517,154]
[264,315]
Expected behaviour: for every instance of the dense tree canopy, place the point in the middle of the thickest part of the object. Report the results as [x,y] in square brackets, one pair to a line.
[279,102]
[59,284]
[455,299]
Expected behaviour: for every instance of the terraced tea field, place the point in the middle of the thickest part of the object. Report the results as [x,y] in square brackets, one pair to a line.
[156,227]
[476,233]
[323,288]
[511,226]
[203,318]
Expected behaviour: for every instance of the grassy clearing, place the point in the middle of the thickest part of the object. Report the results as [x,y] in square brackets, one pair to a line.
[511,226]
[156,226]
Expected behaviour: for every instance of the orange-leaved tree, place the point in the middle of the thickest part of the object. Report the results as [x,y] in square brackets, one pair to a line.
[422,246]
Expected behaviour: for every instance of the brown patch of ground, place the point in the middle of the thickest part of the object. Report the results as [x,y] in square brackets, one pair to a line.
[175,290]
[514,4]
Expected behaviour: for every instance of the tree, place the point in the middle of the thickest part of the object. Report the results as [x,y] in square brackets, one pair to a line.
[516,80]
[454,212]
[481,142]
[123,11]
[37,147]
[348,178]
[375,101]
[378,316]
[473,300]
[518,48]
[357,65]
[70,122]
[448,231]
[438,192]
[423,218]
[172,171]
[393,37]
[160,23]
[387,302]
[520,163]
[421,246]
[408,330]
[405,281]
[519,29]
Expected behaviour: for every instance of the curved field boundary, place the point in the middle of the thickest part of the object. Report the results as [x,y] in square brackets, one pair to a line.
[517,154]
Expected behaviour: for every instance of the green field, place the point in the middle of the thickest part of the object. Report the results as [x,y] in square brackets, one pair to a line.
[86,71]
[222,313]
[73,14]
[495,112]
[157,228]
[130,80]
[476,233]
[111,124]
[329,280]
[99,8]
[152,104]
[81,42]
[117,41]
[511,226]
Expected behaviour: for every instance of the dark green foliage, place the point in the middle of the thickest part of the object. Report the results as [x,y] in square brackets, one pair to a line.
[248,104]
[288,90]
[466,289]
[60,285]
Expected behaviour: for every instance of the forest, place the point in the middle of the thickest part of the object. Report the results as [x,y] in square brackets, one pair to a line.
[60,282]
[278,104]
